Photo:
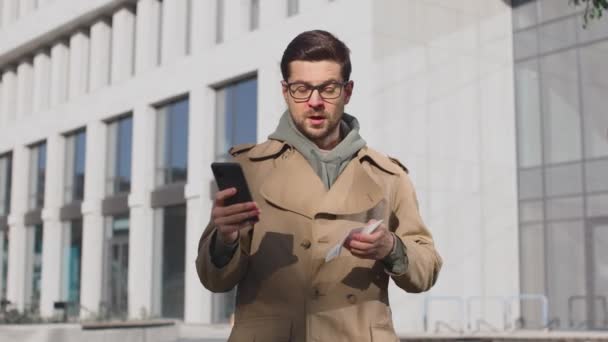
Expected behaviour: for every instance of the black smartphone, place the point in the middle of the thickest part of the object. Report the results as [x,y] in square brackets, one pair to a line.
[230,175]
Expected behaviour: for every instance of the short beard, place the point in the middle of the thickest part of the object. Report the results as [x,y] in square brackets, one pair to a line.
[301,126]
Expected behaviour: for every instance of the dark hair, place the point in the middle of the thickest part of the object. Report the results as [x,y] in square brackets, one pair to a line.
[317,45]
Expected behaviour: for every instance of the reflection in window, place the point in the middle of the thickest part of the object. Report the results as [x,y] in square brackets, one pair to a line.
[119,156]
[557,35]
[117,270]
[3,263]
[219,21]
[566,251]
[532,256]
[236,106]
[594,76]
[561,107]
[254,15]
[75,164]
[37,176]
[72,256]
[551,9]
[172,151]
[563,180]
[6,167]
[562,134]
[524,13]
[292,7]
[34,267]
[172,273]
[529,147]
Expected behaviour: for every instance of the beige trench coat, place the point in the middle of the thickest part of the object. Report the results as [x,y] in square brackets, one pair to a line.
[286,291]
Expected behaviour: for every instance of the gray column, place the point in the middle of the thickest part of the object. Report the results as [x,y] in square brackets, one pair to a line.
[93,227]
[59,73]
[53,248]
[24,89]
[174,30]
[42,82]
[198,300]
[79,64]
[235,19]
[9,95]
[25,7]
[9,12]
[101,44]
[123,34]
[147,51]
[17,249]
[272,11]
[141,231]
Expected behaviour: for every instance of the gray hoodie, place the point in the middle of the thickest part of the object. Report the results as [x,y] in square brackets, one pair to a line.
[327,165]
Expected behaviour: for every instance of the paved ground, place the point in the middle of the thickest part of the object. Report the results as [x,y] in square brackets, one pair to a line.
[219,333]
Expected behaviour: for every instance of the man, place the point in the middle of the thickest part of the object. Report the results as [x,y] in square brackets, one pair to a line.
[314,181]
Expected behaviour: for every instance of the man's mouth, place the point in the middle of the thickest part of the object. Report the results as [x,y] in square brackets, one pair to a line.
[316,120]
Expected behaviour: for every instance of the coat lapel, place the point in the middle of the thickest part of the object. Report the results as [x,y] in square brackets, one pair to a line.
[353,192]
[293,185]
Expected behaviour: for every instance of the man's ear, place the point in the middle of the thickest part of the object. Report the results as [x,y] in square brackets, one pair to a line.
[348,91]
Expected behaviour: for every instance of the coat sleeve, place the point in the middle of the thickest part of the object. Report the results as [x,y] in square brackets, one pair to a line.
[423,261]
[227,277]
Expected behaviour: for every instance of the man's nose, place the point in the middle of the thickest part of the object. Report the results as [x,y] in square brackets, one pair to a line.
[315,100]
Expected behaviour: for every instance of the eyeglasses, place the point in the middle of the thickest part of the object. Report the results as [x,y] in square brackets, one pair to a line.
[301,91]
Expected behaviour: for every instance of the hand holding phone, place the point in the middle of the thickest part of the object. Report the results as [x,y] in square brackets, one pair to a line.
[233,208]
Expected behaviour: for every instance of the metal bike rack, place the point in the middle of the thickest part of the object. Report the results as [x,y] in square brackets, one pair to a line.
[455,299]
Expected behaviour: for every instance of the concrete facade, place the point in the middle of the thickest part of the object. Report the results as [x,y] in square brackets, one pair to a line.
[433,87]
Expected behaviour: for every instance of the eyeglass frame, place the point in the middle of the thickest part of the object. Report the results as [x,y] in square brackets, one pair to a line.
[313,88]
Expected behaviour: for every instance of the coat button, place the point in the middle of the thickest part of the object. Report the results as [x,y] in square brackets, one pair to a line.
[306,244]
[316,293]
[351,298]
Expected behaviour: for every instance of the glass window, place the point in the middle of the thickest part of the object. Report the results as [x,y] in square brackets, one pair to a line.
[3,263]
[532,261]
[597,205]
[564,179]
[292,7]
[525,43]
[119,156]
[75,165]
[566,290]
[596,29]
[551,9]
[529,137]
[219,21]
[172,153]
[34,270]
[531,211]
[557,35]
[524,13]
[565,208]
[236,115]
[172,280]
[599,234]
[72,256]
[117,261]
[530,183]
[37,176]
[5,183]
[254,15]
[561,107]
[594,76]
[596,175]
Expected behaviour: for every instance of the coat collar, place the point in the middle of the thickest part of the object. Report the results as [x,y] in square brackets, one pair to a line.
[293,185]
